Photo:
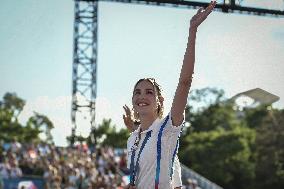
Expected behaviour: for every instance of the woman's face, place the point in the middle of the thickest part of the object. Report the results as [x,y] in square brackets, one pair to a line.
[144,98]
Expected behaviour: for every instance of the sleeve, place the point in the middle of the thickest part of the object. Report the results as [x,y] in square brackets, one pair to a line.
[170,128]
[177,182]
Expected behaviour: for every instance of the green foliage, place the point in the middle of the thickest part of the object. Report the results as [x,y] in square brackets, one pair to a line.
[10,108]
[254,117]
[222,156]
[106,134]
[212,113]
[207,96]
[216,116]
[270,150]
[13,104]
[234,149]
[42,122]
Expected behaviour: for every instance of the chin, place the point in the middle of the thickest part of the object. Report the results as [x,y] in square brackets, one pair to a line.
[145,112]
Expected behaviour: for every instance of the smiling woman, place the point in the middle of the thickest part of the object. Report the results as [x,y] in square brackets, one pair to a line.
[152,147]
[151,88]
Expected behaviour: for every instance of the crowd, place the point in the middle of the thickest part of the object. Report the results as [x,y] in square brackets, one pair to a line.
[191,184]
[67,168]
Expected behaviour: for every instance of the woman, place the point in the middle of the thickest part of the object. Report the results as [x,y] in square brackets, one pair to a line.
[152,147]
[132,126]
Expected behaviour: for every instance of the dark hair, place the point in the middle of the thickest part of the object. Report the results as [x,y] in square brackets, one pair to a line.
[158,90]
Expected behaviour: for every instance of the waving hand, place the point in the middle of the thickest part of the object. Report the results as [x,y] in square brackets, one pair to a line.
[201,15]
[127,118]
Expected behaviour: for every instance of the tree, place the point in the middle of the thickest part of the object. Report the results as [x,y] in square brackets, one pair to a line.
[269,147]
[10,108]
[117,139]
[218,144]
[222,156]
[234,151]
[212,110]
[107,134]
[14,104]
[42,123]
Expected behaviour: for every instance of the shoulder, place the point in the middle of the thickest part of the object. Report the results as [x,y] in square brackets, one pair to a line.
[168,125]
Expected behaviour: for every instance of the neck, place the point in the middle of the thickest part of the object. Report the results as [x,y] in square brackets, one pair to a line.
[146,121]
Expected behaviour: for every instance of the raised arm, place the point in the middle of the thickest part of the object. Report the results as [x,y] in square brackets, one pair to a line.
[181,94]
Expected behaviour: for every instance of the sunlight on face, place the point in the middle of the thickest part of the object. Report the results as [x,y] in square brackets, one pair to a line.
[144,99]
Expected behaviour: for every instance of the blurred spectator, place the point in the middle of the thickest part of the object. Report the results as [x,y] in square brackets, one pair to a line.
[15,146]
[1,183]
[15,171]
[123,163]
[191,184]
[4,170]
[67,168]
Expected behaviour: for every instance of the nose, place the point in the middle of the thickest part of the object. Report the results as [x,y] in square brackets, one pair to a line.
[142,95]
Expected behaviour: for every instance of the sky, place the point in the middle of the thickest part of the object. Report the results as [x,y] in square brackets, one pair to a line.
[234,52]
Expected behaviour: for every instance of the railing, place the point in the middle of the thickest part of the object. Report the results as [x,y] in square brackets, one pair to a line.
[201,181]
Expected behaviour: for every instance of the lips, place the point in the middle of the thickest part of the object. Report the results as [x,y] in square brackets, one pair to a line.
[142,104]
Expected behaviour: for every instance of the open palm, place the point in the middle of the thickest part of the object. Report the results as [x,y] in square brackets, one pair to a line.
[127,118]
[201,15]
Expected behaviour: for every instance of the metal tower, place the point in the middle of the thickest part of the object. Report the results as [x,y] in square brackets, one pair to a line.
[84,86]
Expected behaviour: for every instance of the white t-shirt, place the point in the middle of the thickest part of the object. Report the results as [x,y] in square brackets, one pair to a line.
[176,179]
[145,177]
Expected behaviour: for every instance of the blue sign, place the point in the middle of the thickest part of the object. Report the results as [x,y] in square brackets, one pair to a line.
[24,182]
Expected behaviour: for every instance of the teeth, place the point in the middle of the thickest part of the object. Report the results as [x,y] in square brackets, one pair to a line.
[142,104]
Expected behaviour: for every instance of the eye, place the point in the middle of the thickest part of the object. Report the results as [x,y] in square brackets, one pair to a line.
[136,92]
[149,92]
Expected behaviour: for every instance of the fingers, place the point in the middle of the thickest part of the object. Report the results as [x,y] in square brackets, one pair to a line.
[207,11]
[128,124]
[200,10]
[125,120]
[124,116]
[127,110]
[210,7]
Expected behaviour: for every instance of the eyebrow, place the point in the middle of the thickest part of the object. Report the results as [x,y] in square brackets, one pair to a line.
[145,89]
[149,90]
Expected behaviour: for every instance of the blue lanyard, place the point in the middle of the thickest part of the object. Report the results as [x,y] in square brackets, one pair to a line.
[133,170]
[159,153]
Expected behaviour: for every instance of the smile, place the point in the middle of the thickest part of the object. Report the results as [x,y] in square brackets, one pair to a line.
[142,104]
